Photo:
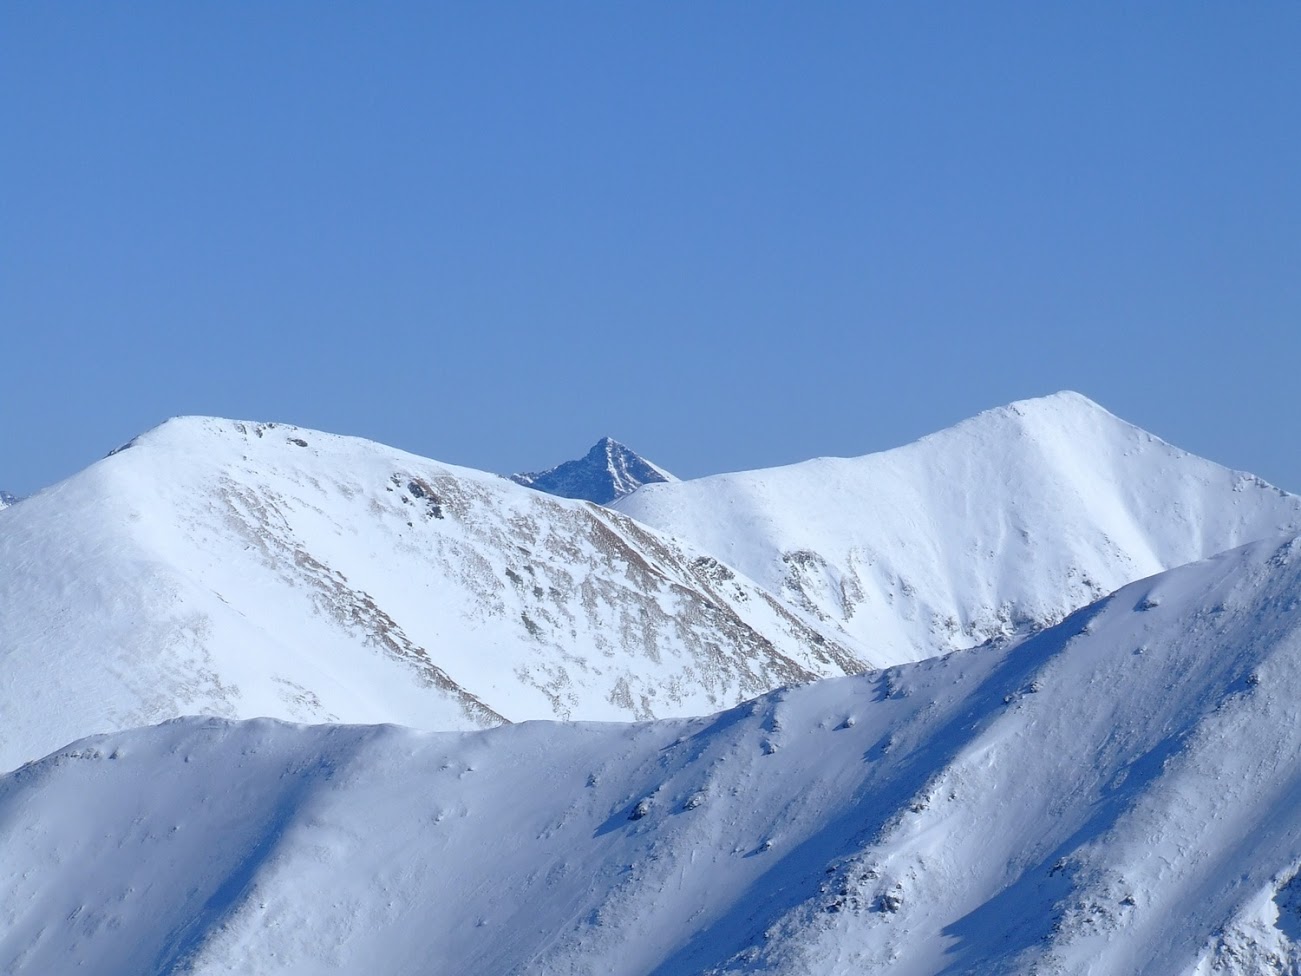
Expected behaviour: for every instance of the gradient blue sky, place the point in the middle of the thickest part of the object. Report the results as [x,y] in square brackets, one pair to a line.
[728,234]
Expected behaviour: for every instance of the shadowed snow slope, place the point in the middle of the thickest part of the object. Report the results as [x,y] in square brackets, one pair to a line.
[1001,524]
[253,569]
[1119,794]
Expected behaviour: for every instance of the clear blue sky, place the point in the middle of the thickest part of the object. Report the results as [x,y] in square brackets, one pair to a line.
[729,234]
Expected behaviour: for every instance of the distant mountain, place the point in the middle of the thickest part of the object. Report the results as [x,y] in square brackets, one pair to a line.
[1114,795]
[1002,524]
[606,472]
[7,499]
[244,569]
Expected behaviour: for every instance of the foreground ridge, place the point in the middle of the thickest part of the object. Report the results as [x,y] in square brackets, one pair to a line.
[1115,794]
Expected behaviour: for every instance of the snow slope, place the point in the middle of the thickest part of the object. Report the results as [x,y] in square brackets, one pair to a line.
[1004,523]
[1119,794]
[243,570]
[606,472]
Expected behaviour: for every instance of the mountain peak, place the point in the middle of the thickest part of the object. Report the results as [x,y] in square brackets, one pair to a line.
[606,472]
[1001,524]
[607,447]
[1054,410]
[1068,398]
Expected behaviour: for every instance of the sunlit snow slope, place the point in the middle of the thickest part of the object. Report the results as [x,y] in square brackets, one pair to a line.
[1001,524]
[246,569]
[1120,794]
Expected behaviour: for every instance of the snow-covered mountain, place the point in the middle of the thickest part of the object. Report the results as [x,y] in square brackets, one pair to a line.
[243,570]
[7,499]
[1004,523]
[606,472]
[1118,794]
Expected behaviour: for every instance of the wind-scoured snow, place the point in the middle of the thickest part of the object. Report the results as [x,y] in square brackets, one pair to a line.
[1119,794]
[606,472]
[242,570]
[1002,524]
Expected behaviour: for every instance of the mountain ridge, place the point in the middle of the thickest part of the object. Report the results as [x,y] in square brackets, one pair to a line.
[995,526]
[243,569]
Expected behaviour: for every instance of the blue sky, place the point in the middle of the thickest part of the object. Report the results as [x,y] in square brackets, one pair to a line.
[729,234]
